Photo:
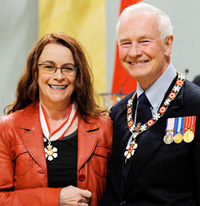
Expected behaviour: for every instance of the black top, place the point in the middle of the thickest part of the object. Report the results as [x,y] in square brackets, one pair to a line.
[62,170]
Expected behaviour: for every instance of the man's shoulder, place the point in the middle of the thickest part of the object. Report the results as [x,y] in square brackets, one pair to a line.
[190,96]
[191,90]
[121,105]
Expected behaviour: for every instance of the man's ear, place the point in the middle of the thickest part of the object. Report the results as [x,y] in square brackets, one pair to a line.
[168,45]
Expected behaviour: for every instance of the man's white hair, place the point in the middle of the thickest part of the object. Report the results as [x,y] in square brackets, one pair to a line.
[165,26]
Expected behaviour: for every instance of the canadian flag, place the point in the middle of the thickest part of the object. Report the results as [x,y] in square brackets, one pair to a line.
[122,81]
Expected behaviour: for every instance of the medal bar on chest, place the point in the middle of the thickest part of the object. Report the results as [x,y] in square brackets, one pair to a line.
[135,130]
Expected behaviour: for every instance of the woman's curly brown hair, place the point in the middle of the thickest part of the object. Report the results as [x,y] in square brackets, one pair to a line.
[28,90]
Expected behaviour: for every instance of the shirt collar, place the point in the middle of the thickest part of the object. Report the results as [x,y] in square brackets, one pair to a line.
[156,92]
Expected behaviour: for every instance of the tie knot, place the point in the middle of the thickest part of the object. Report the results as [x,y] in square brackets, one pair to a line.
[143,99]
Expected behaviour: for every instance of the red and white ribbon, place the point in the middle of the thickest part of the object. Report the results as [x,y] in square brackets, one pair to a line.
[189,124]
[58,133]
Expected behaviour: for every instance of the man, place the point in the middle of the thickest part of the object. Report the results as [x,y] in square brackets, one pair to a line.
[155,161]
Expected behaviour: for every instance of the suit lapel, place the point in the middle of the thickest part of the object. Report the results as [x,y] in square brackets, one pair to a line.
[87,141]
[153,139]
[121,137]
[32,134]
[119,155]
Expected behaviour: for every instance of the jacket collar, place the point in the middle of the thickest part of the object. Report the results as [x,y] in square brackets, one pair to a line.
[32,137]
[87,140]
[33,140]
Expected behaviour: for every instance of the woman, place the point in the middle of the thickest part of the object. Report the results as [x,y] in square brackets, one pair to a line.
[55,141]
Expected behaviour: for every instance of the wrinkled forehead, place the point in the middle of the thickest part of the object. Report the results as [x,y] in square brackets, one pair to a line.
[138,20]
[138,17]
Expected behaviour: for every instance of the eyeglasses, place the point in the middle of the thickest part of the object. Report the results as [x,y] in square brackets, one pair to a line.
[66,69]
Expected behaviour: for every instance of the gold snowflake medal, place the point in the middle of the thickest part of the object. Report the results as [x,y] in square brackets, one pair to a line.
[130,149]
[51,152]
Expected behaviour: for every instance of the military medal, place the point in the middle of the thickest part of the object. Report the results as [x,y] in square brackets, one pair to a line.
[50,151]
[188,136]
[178,138]
[168,138]
[183,129]
[189,129]
[130,149]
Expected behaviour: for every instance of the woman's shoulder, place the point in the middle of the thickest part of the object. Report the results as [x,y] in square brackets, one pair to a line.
[101,120]
[12,116]
[16,116]
[104,123]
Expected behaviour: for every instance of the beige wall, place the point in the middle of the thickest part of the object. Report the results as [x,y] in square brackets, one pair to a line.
[18,33]
[185,18]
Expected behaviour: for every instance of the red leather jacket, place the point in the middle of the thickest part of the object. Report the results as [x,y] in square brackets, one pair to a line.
[23,169]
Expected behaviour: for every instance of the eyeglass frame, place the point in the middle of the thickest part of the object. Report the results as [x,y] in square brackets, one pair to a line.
[60,67]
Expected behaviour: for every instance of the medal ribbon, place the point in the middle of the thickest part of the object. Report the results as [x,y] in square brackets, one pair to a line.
[193,124]
[170,125]
[179,122]
[189,123]
[181,125]
[58,133]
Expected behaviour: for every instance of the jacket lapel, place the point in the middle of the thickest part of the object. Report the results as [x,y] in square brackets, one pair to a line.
[153,139]
[87,141]
[121,137]
[32,134]
[119,157]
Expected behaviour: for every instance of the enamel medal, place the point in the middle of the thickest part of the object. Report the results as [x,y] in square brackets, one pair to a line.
[51,152]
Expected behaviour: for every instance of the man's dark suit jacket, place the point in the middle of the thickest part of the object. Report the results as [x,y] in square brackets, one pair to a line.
[159,174]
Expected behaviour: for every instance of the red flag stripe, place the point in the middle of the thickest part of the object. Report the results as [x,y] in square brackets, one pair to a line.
[122,81]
